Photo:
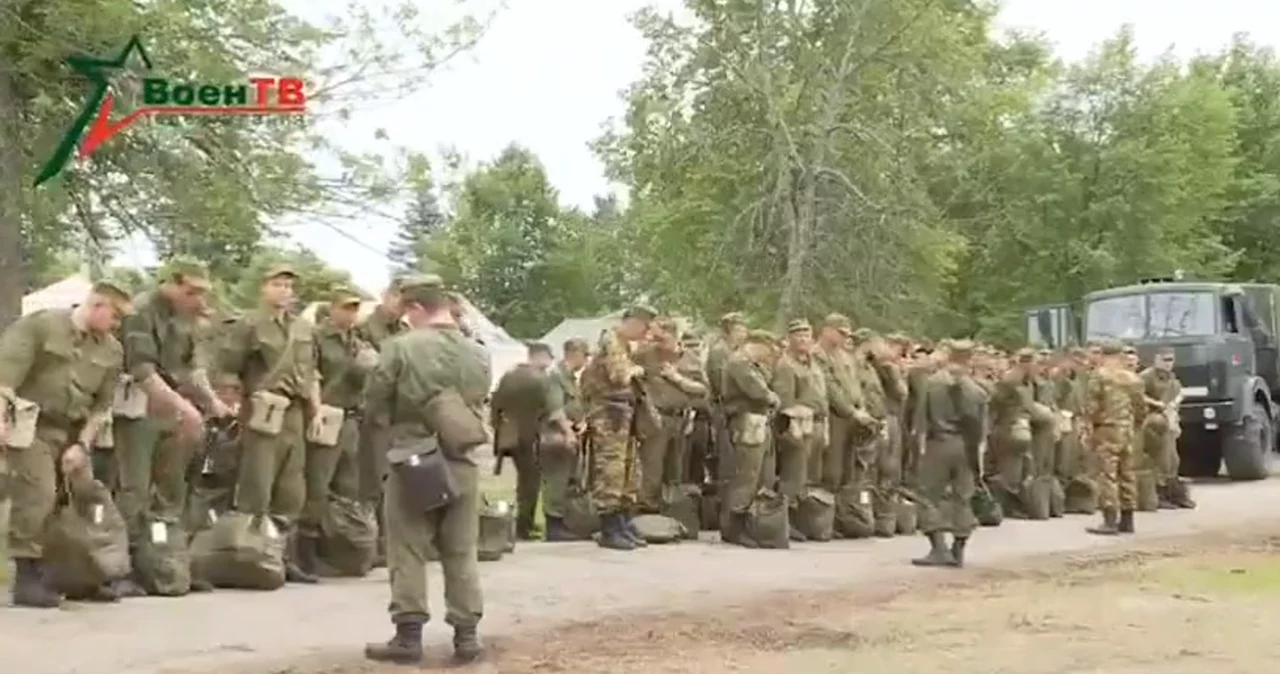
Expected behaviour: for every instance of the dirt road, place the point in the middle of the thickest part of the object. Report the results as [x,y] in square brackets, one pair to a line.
[542,587]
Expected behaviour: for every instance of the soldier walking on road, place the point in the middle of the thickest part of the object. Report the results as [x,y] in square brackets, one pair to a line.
[58,373]
[1112,402]
[433,362]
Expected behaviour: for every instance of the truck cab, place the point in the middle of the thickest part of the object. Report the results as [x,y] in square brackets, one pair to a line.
[1224,341]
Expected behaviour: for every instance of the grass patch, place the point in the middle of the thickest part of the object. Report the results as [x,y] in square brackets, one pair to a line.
[1252,575]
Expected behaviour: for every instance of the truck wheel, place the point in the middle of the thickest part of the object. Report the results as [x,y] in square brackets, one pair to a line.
[1247,451]
[1200,452]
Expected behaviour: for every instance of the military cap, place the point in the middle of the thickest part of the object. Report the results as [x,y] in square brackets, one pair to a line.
[732,318]
[1044,353]
[341,297]
[118,296]
[761,337]
[862,335]
[190,270]
[420,280]
[960,348]
[898,338]
[1111,349]
[1129,350]
[798,325]
[640,311]
[538,347]
[277,270]
[1165,351]
[1025,355]
[665,324]
[576,345]
[1077,352]
[690,338]
[839,322]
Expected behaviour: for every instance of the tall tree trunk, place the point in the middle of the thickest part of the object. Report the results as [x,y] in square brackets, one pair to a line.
[11,264]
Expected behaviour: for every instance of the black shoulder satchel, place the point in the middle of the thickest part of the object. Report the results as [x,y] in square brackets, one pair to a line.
[426,480]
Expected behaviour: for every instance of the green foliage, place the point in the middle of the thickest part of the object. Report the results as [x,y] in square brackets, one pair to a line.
[316,280]
[423,220]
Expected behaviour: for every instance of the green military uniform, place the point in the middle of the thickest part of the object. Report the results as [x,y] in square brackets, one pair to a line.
[342,370]
[700,457]
[672,394]
[415,368]
[560,464]
[520,405]
[917,374]
[263,351]
[802,398]
[881,449]
[1071,460]
[850,425]
[950,415]
[748,403]
[718,354]
[1010,458]
[152,458]
[1113,402]
[1162,428]
[70,373]
[375,330]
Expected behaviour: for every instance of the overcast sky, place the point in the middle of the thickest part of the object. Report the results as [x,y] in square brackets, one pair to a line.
[549,72]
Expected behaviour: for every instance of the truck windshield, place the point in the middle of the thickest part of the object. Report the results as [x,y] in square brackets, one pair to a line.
[1152,316]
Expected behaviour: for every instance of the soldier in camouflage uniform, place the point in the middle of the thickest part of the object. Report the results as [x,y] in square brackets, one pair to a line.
[1164,392]
[748,405]
[560,466]
[1112,402]
[270,355]
[66,362]
[415,368]
[611,392]
[343,361]
[802,401]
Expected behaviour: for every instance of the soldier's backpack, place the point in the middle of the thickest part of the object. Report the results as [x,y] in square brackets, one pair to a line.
[855,517]
[1080,496]
[658,529]
[86,543]
[986,509]
[816,515]
[497,531]
[243,552]
[683,503]
[908,515]
[348,537]
[580,515]
[768,522]
[884,506]
[1148,494]
[163,562]
[1057,498]
[1037,497]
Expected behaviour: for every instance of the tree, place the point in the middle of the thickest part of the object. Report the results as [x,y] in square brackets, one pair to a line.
[423,220]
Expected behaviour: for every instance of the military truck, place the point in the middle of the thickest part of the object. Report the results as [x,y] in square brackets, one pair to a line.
[1224,337]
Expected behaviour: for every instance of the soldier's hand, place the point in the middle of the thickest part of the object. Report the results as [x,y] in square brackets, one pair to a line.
[190,421]
[74,460]
[220,410]
[668,370]
[774,401]
[635,371]
[366,358]
[316,425]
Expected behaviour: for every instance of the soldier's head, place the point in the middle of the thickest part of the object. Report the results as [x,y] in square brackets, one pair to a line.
[664,332]
[799,336]
[734,327]
[344,307]
[759,345]
[1111,354]
[960,357]
[1131,357]
[426,302]
[540,355]
[635,322]
[1025,362]
[392,302]
[835,331]
[185,283]
[104,308]
[458,310]
[1078,358]
[575,353]
[277,286]
[1165,359]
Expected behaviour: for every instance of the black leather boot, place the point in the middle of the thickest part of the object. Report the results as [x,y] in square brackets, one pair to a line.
[466,644]
[1108,526]
[1180,494]
[31,588]
[939,553]
[957,550]
[557,532]
[792,532]
[741,525]
[308,555]
[630,531]
[1125,526]
[130,586]
[612,535]
[294,573]
[405,648]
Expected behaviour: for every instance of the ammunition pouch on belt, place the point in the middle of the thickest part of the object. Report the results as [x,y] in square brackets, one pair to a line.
[326,433]
[22,416]
[458,427]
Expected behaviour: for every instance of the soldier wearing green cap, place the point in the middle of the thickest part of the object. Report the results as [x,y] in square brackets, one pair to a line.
[1162,428]
[733,332]
[165,369]
[850,424]
[58,372]
[802,401]
[270,355]
[749,405]
[672,393]
[872,452]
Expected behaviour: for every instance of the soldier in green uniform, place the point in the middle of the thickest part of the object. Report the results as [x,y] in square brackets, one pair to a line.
[62,366]
[802,401]
[662,454]
[849,423]
[270,355]
[949,416]
[1071,461]
[520,406]
[733,332]
[883,449]
[432,359]
[1164,392]
[154,452]
[921,366]
[749,404]
[701,459]
[343,361]
[611,393]
[1014,433]
[560,460]
[1112,403]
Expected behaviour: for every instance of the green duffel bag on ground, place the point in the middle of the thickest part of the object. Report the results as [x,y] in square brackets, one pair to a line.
[163,562]
[768,523]
[1081,496]
[683,503]
[816,515]
[86,543]
[884,506]
[497,531]
[244,552]
[1037,497]
[658,529]
[580,515]
[1057,498]
[1148,494]
[348,538]
[907,514]
[986,509]
[855,517]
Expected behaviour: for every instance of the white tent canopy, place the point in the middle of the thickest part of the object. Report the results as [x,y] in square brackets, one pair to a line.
[63,294]
[589,329]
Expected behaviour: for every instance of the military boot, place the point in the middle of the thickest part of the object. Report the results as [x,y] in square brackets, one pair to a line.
[466,644]
[129,586]
[1164,491]
[308,555]
[405,648]
[30,586]
[612,535]
[1125,526]
[957,550]
[939,553]
[793,533]
[294,573]
[1108,526]
[1180,494]
[558,532]
[630,531]
[741,525]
